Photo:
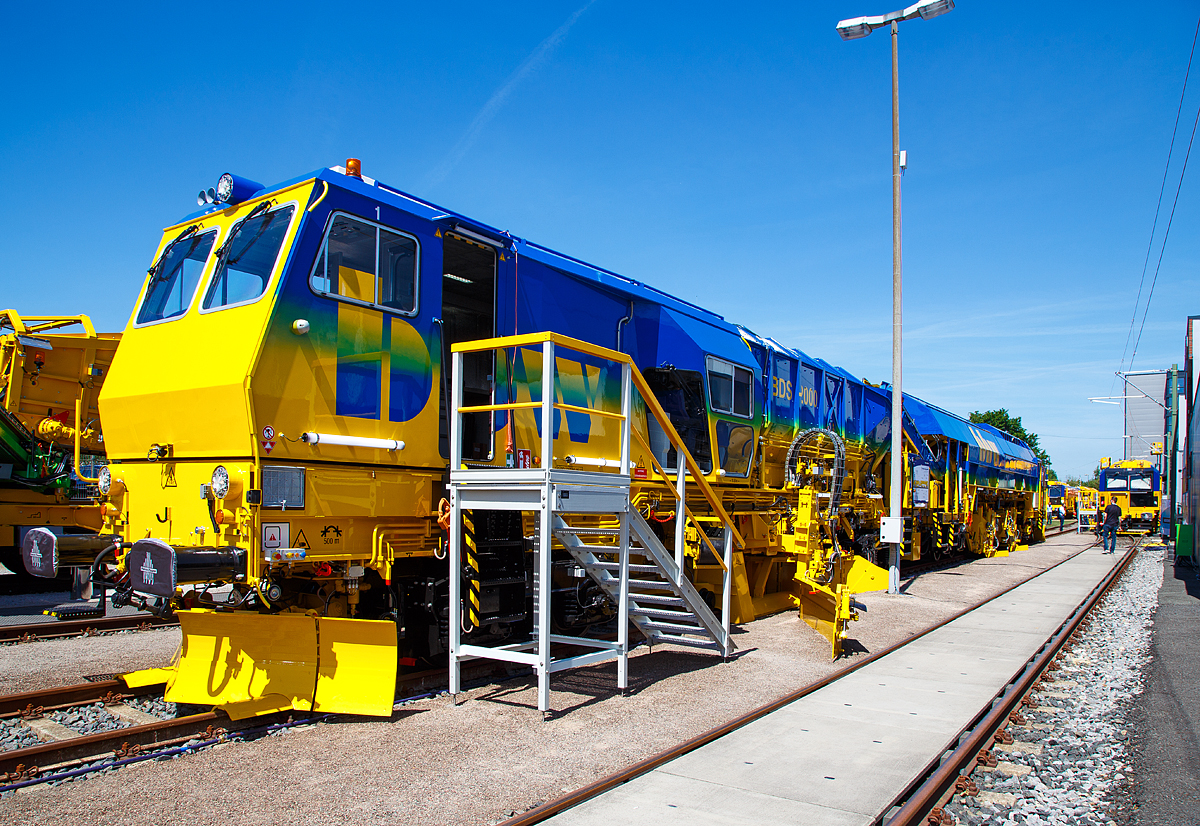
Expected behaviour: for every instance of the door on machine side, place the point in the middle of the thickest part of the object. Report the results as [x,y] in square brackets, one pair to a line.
[469,314]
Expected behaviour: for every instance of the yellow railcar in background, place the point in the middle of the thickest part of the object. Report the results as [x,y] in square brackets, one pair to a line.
[50,434]
[1136,486]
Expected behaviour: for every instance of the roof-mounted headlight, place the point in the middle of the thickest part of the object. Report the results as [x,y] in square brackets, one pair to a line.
[232,189]
[104,480]
[220,482]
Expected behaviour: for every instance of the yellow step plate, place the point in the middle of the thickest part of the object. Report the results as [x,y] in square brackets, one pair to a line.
[148,676]
[250,664]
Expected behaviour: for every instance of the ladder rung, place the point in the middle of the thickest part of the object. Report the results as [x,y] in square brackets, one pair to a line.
[656,585]
[596,549]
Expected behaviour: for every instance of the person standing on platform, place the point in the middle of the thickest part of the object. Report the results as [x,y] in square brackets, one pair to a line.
[1112,521]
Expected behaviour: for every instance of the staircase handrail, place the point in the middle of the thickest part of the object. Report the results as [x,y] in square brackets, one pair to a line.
[643,387]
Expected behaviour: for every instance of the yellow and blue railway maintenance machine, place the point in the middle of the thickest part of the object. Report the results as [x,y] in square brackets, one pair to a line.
[299,476]
[1136,486]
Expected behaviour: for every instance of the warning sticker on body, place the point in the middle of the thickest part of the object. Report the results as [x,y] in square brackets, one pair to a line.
[276,535]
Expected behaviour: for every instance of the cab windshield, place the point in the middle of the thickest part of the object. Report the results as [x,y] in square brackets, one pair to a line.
[247,258]
[1131,480]
[173,279]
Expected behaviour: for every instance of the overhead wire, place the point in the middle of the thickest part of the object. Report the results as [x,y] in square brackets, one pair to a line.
[1166,234]
[1158,211]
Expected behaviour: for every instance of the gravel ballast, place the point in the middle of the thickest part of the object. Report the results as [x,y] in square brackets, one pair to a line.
[493,755]
[13,735]
[1070,763]
[30,666]
[91,719]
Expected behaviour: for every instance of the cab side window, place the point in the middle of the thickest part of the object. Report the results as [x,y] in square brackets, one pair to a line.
[366,263]
[729,387]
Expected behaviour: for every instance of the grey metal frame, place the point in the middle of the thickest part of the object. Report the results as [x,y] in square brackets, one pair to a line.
[551,492]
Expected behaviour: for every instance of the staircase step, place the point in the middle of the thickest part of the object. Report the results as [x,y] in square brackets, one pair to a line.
[616,566]
[588,531]
[657,599]
[674,628]
[660,614]
[691,642]
[650,584]
[595,549]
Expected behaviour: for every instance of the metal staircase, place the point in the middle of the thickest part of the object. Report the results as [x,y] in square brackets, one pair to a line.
[663,605]
[646,582]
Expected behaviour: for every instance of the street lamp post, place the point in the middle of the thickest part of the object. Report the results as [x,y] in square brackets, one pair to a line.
[893,527]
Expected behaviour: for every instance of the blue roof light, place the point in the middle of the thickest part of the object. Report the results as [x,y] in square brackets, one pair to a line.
[233,189]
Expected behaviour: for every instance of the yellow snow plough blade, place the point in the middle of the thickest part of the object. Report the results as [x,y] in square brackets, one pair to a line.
[829,609]
[255,664]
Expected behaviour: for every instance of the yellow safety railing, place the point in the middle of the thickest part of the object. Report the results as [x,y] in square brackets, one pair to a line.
[631,377]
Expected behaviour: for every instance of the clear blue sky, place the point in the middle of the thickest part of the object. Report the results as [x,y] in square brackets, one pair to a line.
[736,156]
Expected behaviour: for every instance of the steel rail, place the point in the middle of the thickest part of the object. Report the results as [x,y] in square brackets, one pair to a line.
[572,799]
[940,776]
[95,746]
[32,632]
[28,765]
[12,705]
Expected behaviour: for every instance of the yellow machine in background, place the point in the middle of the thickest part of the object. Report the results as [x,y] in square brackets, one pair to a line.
[1089,504]
[1136,486]
[50,435]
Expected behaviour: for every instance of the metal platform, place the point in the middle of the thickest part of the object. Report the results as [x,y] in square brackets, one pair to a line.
[658,599]
[845,753]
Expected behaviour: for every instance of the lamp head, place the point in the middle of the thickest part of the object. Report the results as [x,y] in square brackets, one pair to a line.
[854,28]
[934,8]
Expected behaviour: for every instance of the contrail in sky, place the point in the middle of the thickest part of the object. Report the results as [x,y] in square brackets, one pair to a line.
[489,110]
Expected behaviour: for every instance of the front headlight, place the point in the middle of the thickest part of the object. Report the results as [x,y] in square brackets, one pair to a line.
[104,480]
[220,482]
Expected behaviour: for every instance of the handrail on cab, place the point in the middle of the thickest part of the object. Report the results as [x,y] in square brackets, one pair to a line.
[643,388]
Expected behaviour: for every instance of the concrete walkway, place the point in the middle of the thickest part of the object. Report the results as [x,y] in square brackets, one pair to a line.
[1167,717]
[842,754]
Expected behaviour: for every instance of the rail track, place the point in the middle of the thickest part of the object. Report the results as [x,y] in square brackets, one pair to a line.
[936,785]
[64,754]
[73,755]
[58,629]
[923,803]
[148,739]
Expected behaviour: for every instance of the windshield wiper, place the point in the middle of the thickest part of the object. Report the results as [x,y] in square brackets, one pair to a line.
[237,228]
[157,265]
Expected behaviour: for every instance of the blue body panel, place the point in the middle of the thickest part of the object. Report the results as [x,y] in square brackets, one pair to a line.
[539,289]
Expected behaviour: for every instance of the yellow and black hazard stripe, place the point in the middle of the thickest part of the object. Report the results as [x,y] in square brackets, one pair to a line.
[471,570]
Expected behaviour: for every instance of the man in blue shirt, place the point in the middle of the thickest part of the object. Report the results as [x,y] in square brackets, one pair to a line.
[1112,521]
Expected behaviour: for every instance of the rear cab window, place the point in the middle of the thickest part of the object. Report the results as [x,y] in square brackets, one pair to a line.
[729,388]
[730,393]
